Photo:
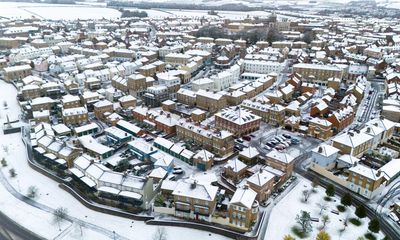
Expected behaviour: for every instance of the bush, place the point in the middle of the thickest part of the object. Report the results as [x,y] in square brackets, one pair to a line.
[370,236]
[328,199]
[355,221]
[298,232]
[4,162]
[341,208]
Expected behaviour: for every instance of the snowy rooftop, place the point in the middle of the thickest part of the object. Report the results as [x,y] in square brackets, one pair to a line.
[237,115]
[196,190]
[261,178]
[244,197]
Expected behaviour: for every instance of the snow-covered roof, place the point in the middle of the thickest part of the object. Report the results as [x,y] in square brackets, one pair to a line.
[235,164]
[196,190]
[237,115]
[249,152]
[261,178]
[365,171]
[244,197]
[325,150]
[280,156]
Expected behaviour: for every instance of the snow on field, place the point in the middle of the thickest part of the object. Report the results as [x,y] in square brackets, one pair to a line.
[55,12]
[39,221]
[53,196]
[283,216]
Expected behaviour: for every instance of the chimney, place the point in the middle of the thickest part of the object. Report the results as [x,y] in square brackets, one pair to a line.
[368,129]
[378,174]
[320,149]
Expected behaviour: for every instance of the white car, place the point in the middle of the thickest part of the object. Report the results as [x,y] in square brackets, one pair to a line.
[393,217]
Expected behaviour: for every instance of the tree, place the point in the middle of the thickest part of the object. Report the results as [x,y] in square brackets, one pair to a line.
[322,206]
[4,162]
[60,214]
[32,192]
[160,234]
[330,190]
[288,237]
[273,35]
[346,199]
[308,37]
[122,165]
[12,172]
[360,212]
[323,236]
[304,219]
[374,225]
[306,194]
[325,220]
[315,183]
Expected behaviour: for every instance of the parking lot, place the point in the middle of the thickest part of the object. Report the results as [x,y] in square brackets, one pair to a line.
[268,138]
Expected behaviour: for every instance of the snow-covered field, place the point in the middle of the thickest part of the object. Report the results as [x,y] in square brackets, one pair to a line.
[55,12]
[53,196]
[283,216]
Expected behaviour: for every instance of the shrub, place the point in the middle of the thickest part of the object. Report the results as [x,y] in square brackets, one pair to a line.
[370,236]
[355,221]
[341,208]
[298,232]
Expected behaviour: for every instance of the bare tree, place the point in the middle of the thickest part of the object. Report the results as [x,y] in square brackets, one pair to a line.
[60,214]
[325,220]
[5,149]
[322,206]
[160,234]
[306,194]
[12,172]
[32,192]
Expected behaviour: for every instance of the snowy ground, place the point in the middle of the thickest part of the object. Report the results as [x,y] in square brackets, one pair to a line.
[55,12]
[53,196]
[287,209]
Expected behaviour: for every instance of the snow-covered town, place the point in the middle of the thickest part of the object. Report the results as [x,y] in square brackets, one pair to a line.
[250,120]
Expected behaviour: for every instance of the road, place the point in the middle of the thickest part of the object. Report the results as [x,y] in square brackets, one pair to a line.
[340,191]
[9,230]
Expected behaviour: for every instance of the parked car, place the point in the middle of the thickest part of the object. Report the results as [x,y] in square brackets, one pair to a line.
[266,147]
[393,217]
[179,171]
[269,144]
[247,138]
[239,140]
[285,144]
[287,136]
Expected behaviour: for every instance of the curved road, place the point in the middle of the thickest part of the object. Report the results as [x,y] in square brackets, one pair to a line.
[9,230]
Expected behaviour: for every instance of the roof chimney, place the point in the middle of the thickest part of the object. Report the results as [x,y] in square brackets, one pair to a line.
[193,185]
[320,149]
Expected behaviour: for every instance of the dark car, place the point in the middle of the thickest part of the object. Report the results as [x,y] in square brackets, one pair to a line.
[287,136]
[247,138]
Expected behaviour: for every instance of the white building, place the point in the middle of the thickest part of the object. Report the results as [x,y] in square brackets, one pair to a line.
[263,67]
